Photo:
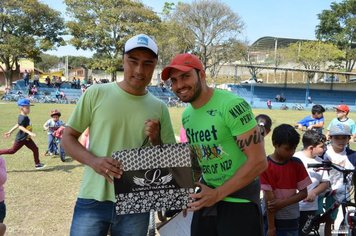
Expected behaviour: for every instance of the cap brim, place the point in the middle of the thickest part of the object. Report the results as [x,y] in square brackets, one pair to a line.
[166,71]
[340,134]
[336,108]
[141,48]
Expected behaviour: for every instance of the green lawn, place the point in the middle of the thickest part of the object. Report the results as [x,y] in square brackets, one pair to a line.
[41,202]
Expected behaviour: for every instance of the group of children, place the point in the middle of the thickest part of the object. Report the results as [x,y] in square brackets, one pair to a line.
[294,193]
[54,126]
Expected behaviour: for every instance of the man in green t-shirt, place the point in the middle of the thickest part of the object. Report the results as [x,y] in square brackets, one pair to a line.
[119,116]
[229,148]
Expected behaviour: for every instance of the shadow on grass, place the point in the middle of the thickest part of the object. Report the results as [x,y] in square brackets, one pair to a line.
[63,167]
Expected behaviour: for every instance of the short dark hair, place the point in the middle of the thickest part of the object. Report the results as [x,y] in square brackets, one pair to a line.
[317,109]
[312,138]
[285,134]
[265,119]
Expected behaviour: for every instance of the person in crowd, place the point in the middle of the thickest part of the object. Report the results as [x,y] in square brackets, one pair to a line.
[48,81]
[342,112]
[26,78]
[58,82]
[309,100]
[336,153]
[51,125]
[313,148]
[25,134]
[313,122]
[269,104]
[83,88]
[36,79]
[54,80]
[78,83]
[73,83]
[265,124]
[229,148]
[108,111]
[58,94]
[3,178]
[284,184]
[34,90]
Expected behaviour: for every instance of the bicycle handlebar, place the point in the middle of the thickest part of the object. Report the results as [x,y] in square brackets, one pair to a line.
[329,165]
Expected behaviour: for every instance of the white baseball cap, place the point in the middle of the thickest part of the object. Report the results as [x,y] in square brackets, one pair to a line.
[141,41]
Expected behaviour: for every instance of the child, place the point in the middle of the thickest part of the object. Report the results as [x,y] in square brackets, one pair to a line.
[57,134]
[337,154]
[23,137]
[284,176]
[315,121]
[265,123]
[313,147]
[52,125]
[341,117]
[3,177]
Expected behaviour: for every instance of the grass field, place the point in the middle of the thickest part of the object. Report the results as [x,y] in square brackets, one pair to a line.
[40,202]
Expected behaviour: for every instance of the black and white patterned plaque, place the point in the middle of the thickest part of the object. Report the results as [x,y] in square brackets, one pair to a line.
[155,178]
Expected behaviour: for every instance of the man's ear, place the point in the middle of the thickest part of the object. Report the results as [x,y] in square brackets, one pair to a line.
[202,74]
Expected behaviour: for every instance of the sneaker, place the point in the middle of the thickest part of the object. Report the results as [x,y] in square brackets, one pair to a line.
[40,166]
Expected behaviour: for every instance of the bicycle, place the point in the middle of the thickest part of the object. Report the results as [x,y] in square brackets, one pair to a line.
[297,107]
[284,107]
[341,198]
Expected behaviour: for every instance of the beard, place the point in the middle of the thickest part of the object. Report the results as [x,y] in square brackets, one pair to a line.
[197,89]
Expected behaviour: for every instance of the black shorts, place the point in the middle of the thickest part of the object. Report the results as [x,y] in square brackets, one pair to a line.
[233,219]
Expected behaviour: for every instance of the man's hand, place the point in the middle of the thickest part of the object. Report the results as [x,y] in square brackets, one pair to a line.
[205,198]
[107,167]
[152,130]
[7,134]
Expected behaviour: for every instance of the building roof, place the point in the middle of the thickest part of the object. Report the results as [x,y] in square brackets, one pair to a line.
[268,43]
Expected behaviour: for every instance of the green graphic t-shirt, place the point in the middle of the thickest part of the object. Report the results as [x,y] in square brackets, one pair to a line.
[211,131]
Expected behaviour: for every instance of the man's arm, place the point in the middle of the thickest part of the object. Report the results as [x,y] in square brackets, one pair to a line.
[105,166]
[313,194]
[252,144]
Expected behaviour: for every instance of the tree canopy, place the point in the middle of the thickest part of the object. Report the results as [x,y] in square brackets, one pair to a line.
[313,55]
[103,26]
[27,27]
[338,25]
[213,24]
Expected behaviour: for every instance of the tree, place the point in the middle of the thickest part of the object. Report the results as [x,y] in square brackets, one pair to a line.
[338,25]
[45,61]
[313,54]
[170,42]
[212,23]
[103,26]
[27,28]
[229,52]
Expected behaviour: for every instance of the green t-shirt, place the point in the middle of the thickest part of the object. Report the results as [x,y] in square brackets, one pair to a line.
[116,122]
[211,131]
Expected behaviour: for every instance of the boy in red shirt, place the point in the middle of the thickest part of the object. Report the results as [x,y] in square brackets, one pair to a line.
[284,183]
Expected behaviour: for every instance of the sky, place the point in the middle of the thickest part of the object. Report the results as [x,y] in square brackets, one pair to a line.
[277,18]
